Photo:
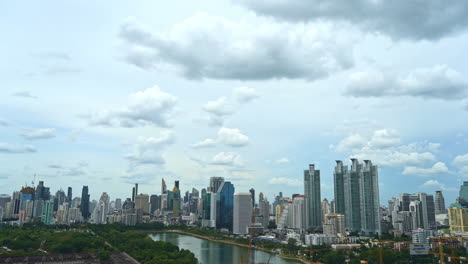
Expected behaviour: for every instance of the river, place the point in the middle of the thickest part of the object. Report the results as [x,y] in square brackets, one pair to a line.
[210,252]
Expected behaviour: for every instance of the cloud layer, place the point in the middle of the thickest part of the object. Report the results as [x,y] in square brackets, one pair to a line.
[214,47]
[437,82]
[16,149]
[40,133]
[400,19]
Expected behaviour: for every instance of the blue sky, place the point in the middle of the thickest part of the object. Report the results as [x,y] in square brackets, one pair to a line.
[106,94]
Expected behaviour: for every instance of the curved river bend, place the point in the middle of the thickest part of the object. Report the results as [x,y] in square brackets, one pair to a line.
[210,252]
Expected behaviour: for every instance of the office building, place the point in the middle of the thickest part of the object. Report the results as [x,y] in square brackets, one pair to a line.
[252,193]
[339,181]
[439,203]
[69,196]
[458,218]
[334,224]
[215,182]
[142,202]
[225,205]
[101,210]
[312,193]
[47,213]
[85,202]
[4,198]
[325,209]
[264,211]
[163,187]
[118,204]
[463,194]
[155,203]
[242,217]
[297,213]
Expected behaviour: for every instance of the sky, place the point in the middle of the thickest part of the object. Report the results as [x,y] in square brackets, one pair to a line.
[112,93]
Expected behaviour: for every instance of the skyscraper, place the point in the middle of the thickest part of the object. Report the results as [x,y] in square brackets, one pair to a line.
[225,205]
[242,218]
[155,203]
[163,187]
[458,218]
[352,197]
[357,196]
[312,193]
[47,213]
[42,192]
[85,202]
[118,203]
[370,203]
[439,203]
[338,175]
[142,202]
[59,199]
[325,209]
[297,217]
[252,192]
[69,196]
[463,195]
[134,192]
[215,182]
[334,224]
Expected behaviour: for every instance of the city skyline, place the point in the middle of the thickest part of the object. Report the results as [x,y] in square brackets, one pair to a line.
[231,89]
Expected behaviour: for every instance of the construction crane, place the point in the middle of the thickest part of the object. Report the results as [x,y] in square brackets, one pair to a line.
[440,253]
[250,239]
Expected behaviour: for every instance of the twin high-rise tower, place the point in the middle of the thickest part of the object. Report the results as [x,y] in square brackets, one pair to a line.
[357,196]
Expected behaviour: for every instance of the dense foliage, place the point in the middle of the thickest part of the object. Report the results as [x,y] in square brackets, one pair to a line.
[39,239]
[34,239]
[140,246]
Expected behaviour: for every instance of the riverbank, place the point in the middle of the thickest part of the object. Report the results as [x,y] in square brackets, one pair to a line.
[228,242]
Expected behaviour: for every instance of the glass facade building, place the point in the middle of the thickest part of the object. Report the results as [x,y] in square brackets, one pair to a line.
[314,200]
[225,205]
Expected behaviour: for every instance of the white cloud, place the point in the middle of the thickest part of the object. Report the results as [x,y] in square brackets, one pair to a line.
[148,151]
[351,143]
[149,107]
[282,160]
[218,107]
[207,143]
[404,19]
[245,94]
[437,82]
[218,110]
[41,133]
[16,149]
[461,162]
[227,49]
[437,169]
[227,158]
[285,181]
[232,137]
[385,138]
